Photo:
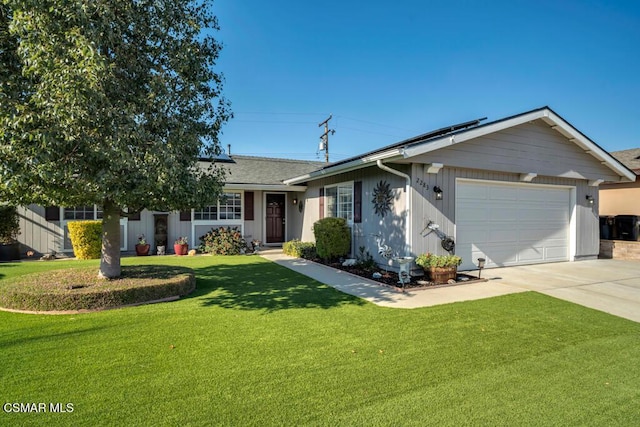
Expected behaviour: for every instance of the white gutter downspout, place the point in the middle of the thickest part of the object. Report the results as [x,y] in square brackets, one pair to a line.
[408,239]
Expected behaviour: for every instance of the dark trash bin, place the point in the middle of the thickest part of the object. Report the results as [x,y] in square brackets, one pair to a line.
[628,227]
[607,227]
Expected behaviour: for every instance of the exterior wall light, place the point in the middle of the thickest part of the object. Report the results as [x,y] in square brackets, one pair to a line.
[438,192]
[590,199]
[295,200]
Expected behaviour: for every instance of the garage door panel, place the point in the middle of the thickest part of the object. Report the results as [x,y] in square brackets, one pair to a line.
[537,234]
[468,213]
[499,258]
[556,216]
[478,192]
[555,254]
[532,195]
[558,197]
[497,194]
[503,214]
[511,224]
[473,235]
[536,214]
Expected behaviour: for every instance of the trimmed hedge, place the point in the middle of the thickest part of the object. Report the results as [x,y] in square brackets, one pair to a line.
[298,249]
[86,238]
[333,238]
[81,289]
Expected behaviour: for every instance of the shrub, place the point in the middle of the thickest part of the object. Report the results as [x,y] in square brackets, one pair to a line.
[9,224]
[223,241]
[86,238]
[296,248]
[430,260]
[333,237]
[364,260]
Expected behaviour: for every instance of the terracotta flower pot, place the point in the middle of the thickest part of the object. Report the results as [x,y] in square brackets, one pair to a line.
[181,249]
[142,250]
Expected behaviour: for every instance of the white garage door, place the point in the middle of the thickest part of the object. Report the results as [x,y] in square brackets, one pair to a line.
[511,224]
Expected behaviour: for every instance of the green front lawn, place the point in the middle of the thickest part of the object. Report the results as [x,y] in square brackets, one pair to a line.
[257,344]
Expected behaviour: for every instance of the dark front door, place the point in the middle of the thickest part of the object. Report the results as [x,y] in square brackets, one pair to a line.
[275,218]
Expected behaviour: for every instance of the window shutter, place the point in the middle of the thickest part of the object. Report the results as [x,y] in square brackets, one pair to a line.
[248,205]
[185,215]
[52,213]
[321,203]
[357,201]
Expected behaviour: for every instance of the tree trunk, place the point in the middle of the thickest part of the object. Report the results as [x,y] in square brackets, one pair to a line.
[110,258]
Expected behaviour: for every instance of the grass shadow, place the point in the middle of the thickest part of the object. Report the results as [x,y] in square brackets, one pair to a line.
[31,335]
[264,286]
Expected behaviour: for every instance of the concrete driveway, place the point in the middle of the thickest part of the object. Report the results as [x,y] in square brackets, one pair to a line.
[609,285]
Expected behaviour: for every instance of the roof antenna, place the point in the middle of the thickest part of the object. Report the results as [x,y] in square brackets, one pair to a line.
[228,149]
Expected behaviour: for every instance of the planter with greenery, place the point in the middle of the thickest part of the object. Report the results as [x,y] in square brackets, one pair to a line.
[181,246]
[142,247]
[441,268]
[9,231]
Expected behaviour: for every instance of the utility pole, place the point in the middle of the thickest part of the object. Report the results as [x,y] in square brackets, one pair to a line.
[324,138]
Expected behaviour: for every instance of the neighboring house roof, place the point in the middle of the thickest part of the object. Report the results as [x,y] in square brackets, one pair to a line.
[264,173]
[456,134]
[629,158]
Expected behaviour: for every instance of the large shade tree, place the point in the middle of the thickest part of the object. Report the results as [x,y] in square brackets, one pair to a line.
[109,102]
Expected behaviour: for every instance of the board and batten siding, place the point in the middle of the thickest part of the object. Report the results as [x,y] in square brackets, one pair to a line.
[391,227]
[531,147]
[442,212]
[36,233]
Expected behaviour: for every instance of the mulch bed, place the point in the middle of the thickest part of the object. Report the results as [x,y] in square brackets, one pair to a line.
[390,278]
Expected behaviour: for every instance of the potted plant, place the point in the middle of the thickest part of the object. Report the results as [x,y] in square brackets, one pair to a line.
[441,268]
[142,247]
[9,231]
[181,246]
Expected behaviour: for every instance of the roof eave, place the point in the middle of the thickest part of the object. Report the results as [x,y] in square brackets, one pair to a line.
[358,163]
[549,116]
[264,187]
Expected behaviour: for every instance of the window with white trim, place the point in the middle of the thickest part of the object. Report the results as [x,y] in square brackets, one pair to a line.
[339,201]
[229,207]
[83,212]
[208,213]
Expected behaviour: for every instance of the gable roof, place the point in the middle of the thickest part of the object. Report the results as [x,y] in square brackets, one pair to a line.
[463,132]
[264,173]
[629,158]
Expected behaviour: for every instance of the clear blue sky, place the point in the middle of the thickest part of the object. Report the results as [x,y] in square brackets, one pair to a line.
[390,70]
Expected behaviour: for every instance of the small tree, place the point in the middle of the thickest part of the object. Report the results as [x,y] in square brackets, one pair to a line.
[9,224]
[333,238]
[109,103]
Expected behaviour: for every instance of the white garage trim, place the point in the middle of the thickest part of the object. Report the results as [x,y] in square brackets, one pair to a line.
[514,223]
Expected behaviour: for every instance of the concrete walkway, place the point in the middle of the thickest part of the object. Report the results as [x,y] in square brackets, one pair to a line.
[612,286]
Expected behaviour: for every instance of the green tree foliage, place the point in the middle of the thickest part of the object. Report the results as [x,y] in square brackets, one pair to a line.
[109,102]
[333,237]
